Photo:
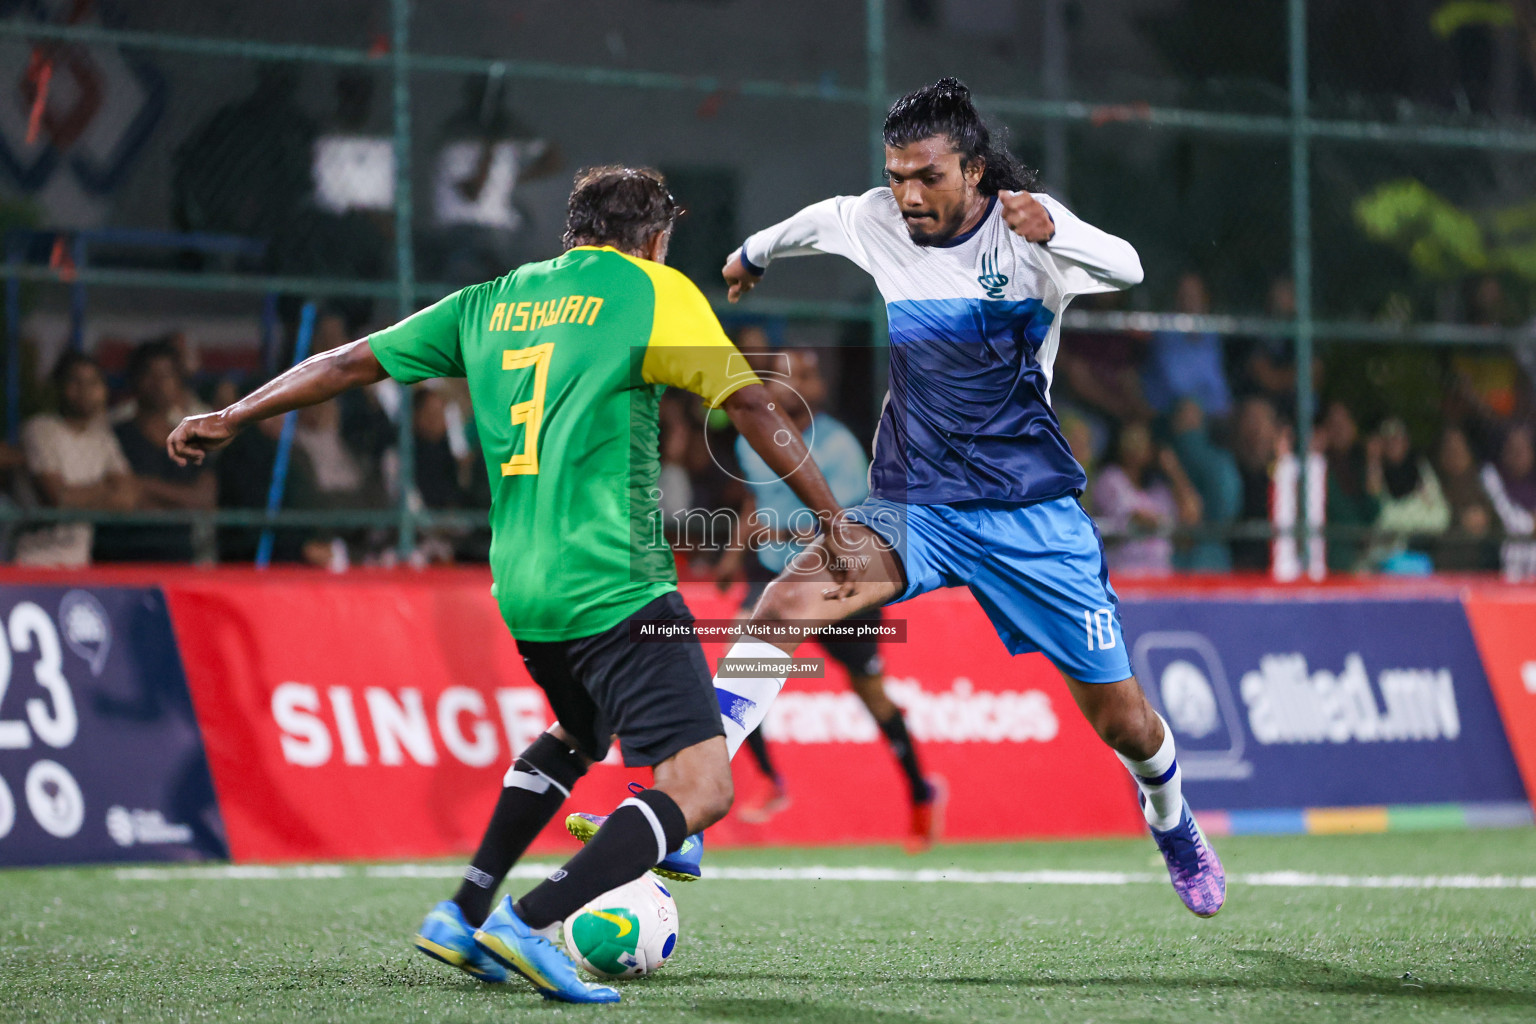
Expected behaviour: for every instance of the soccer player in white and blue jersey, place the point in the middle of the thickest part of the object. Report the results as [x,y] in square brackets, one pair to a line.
[972,483]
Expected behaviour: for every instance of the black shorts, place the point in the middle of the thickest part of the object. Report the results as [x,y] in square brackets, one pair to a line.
[859,657]
[658,698]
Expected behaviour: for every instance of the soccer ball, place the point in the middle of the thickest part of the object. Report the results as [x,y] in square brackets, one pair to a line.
[626,932]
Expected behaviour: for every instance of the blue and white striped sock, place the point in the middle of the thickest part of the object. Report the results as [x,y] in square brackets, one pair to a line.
[745,700]
[1160,782]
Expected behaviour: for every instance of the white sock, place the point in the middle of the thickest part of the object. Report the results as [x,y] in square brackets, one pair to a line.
[1160,781]
[744,700]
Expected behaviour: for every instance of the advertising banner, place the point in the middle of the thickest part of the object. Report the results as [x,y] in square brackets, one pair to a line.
[1323,703]
[349,718]
[1504,622]
[100,757]
[1017,758]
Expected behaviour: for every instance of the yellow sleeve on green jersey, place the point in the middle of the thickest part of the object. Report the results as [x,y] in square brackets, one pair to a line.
[687,348]
[423,345]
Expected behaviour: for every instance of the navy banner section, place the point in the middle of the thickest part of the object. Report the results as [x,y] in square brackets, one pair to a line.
[1323,703]
[100,754]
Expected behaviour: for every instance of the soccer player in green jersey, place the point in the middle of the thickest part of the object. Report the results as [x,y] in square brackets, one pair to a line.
[566,361]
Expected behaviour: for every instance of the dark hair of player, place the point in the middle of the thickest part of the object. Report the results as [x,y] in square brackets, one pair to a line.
[618,206]
[945,108]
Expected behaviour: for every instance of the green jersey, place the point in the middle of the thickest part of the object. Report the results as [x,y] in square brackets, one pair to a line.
[566,361]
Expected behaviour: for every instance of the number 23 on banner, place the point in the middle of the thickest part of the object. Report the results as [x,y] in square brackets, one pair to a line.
[53,721]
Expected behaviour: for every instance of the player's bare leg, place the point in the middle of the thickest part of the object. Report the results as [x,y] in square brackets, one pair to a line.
[871,690]
[1120,714]
[698,779]
[806,594]
[806,591]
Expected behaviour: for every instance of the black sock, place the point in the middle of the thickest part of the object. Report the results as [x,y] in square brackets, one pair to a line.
[629,844]
[895,729]
[538,784]
[759,748]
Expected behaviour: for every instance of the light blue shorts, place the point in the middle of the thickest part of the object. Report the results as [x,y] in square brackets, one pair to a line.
[1037,570]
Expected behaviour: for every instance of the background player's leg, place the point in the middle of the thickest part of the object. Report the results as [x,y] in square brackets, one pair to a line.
[692,792]
[799,594]
[1120,714]
[893,725]
[532,792]
[927,819]
[778,796]
[759,748]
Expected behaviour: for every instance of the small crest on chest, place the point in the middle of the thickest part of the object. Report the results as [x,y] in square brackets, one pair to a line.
[989,278]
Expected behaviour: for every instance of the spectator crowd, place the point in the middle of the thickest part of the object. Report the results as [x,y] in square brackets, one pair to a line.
[107,462]
[1181,434]
[1182,431]
[1187,436]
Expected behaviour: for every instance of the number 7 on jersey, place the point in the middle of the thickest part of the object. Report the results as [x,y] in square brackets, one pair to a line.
[529,414]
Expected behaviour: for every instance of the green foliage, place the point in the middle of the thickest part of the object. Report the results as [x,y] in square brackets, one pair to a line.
[1451,17]
[1514,229]
[1442,241]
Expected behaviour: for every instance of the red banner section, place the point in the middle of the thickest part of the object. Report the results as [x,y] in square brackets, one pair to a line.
[1018,758]
[348,718]
[1504,624]
[374,717]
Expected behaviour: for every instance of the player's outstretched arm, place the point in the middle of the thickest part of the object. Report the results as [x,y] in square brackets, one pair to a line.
[824,227]
[317,379]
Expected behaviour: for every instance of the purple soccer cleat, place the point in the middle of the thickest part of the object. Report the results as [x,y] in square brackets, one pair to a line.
[1193,866]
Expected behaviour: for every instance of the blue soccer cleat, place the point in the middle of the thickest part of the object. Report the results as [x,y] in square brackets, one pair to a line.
[1193,867]
[545,965]
[446,936]
[683,865]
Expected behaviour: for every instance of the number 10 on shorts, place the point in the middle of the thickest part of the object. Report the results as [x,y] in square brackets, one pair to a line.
[1100,628]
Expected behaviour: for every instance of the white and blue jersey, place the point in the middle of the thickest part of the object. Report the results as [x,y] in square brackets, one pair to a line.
[975,324]
[972,481]
[839,456]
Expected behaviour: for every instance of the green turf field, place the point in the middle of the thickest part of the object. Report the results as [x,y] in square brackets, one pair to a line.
[89,945]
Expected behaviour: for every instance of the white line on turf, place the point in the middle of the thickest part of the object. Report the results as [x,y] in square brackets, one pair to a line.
[234,872]
[1264,879]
